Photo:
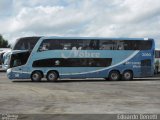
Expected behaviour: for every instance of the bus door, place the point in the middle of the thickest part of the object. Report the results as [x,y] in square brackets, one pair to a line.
[17,61]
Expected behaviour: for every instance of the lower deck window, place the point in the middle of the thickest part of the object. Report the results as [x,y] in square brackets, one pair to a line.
[73,62]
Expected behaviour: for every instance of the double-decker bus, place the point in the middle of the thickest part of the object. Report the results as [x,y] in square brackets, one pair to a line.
[24,43]
[84,57]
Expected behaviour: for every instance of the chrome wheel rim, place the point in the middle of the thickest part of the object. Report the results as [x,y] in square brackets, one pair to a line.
[51,76]
[127,75]
[35,76]
[114,76]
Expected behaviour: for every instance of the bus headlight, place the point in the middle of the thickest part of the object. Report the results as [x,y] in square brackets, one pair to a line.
[9,70]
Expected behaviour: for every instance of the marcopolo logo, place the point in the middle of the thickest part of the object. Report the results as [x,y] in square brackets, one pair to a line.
[80,54]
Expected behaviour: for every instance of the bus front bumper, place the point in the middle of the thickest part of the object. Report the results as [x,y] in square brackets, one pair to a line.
[12,74]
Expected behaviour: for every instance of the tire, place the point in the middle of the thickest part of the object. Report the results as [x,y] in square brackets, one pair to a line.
[36,76]
[114,76]
[127,75]
[52,76]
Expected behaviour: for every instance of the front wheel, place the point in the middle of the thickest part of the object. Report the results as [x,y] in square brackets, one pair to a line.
[52,76]
[127,75]
[36,76]
[114,75]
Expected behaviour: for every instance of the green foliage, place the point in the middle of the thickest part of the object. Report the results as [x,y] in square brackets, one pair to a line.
[3,42]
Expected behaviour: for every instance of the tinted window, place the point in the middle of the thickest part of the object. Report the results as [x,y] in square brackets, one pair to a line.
[108,45]
[73,62]
[125,45]
[145,45]
[73,44]
[137,45]
[19,59]
[26,43]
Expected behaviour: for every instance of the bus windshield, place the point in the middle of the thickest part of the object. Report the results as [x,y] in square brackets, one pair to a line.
[19,59]
[26,43]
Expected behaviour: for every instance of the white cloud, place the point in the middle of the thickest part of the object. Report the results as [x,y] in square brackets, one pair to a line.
[3,5]
[109,18]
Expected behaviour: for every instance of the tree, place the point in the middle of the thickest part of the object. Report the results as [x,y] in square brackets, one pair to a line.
[3,42]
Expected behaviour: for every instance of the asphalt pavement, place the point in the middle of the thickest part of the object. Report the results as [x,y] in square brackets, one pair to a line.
[80,96]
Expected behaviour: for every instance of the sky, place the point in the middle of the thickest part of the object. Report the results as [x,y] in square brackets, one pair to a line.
[92,18]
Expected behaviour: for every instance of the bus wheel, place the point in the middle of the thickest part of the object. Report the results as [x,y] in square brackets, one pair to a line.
[127,75]
[36,76]
[114,75]
[52,76]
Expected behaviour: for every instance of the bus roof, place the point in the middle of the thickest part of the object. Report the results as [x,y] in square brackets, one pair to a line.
[63,37]
[29,38]
[58,37]
[18,51]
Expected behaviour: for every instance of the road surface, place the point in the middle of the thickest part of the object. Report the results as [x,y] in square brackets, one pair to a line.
[79,96]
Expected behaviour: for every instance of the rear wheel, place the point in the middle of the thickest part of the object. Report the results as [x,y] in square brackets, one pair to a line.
[52,76]
[36,76]
[114,75]
[127,75]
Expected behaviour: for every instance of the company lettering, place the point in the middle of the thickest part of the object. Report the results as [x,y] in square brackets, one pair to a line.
[81,54]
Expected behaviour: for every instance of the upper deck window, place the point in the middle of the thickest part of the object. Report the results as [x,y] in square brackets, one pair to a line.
[73,44]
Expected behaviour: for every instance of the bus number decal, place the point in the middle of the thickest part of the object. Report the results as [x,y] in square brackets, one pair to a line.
[146,54]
